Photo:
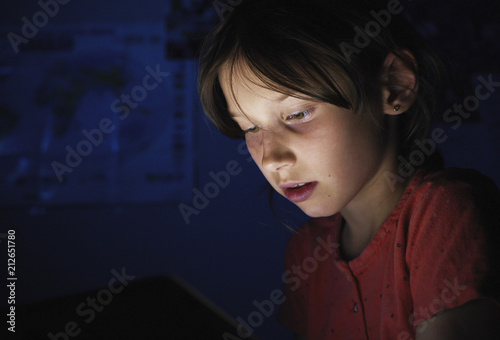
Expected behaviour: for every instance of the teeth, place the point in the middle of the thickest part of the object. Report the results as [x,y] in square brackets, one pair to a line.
[298,185]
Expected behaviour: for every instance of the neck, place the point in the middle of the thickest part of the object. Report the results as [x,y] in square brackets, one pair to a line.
[363,218]
[372,205]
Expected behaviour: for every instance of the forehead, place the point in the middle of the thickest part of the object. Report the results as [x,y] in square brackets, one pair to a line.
[243,89]
[240,79]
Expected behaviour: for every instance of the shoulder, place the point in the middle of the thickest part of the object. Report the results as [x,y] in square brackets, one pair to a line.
[453,192]
[451,219]
[451,202]
[460,178]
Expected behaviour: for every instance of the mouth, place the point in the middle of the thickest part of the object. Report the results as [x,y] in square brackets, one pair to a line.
[298,192]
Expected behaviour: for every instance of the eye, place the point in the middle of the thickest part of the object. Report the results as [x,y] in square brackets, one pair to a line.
[253,129]
[299,115]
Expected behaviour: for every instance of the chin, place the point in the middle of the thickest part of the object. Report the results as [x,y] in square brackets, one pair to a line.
[316,212]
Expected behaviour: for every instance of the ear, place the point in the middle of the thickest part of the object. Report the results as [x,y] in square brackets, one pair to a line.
[399,82]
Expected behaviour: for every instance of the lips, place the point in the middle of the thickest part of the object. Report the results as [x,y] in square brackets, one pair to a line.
[298,191]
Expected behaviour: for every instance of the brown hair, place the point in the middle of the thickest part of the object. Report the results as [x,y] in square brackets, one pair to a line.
[310,48]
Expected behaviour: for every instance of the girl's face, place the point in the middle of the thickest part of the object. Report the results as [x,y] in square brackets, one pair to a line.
[319,156]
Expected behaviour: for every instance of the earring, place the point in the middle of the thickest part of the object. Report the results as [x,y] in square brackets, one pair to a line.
[397,108]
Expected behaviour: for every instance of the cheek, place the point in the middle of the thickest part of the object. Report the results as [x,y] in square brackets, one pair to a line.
[323,146]
[253,147]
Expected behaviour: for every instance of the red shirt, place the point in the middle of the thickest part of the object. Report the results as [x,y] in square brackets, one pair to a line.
[429,255]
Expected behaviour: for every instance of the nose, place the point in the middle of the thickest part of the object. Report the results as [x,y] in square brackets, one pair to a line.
[276,154]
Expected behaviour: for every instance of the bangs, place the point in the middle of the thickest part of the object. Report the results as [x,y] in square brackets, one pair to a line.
[295,74]
[283,57]
[291,77]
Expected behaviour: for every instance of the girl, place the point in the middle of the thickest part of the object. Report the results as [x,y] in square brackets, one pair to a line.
[334,100]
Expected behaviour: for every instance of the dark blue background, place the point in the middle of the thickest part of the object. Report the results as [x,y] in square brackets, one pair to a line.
[232,251]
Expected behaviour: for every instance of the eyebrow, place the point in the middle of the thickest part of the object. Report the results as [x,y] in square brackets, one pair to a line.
[281,98]
[278,99]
